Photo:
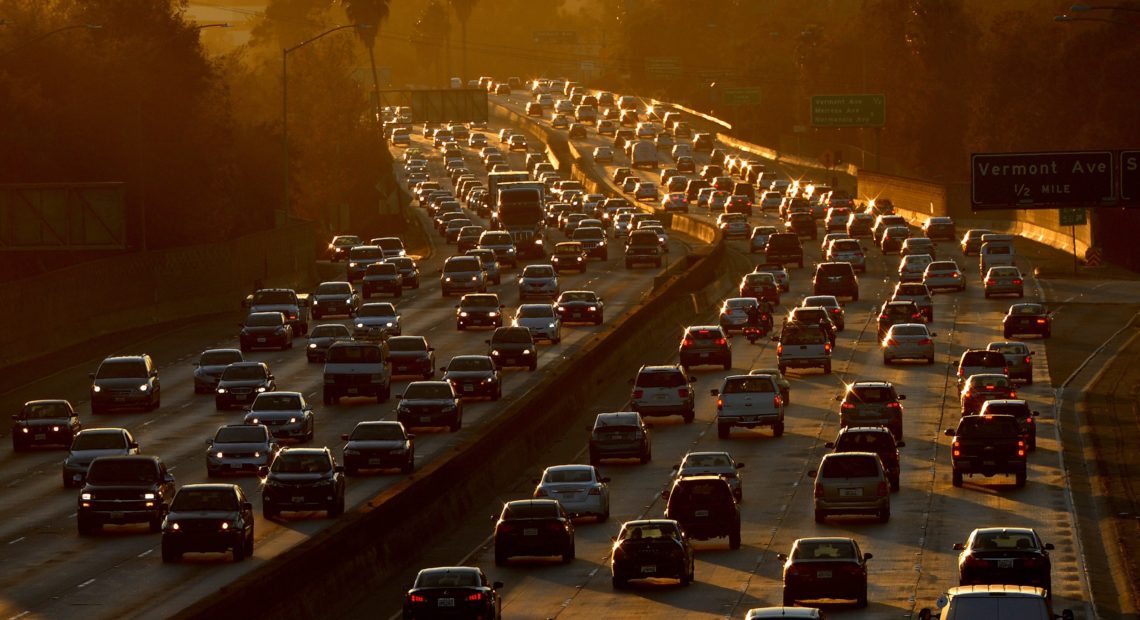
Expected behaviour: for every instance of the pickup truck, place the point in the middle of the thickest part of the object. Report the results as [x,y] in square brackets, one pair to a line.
[988,445]
[356,369]
[295,306]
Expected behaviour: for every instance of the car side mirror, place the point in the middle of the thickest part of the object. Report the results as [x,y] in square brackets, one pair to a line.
[948,432]
[838,397]
[902,396]
[867,556]
[134,445]
[900,444]
[933,334]
[959,547]
[496,585]
[209,442]
[15,416]
[168,478]
[829,445]
[1049,546]
[782,556]
[487,342]
[90,375]
[344,436]
[263,471]
[811,473]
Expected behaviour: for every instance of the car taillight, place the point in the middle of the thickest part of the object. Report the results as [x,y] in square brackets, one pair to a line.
[956,448]
[884,488]
[1028,360]
[989,281]
[683,392]
[916,315]
[416,598]
[1029,420]
[891,342]
[721,342]
[780,349]
[1005,371]
[954,275]
[1020,448]
[976,561]
[847,407]
[882,317]
[959,371]
[595,491]
[638,393]
[556,526]
[777,401]
[720,403]
[835,310]
[827,347]
[1040,321]
[894,406]
[926,341]
[819,490]
[505,527]
[1016,281]
[687,342]
[478,596]
[1013,393]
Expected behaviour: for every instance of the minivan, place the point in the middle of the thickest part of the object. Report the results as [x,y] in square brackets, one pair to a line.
[997,250]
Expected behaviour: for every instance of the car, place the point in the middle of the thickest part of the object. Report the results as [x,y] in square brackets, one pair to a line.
[705,507]
[982,387]
[1000,602]
[478,309]
[663,390]
[919,293]
[901,311]
[581,490]
[359,258]
[817,315]
[208,518]
[542,320]
[1020,410]
[92,443]
[801,224]
[576,131]
[378,445]
[824,568]
[766,613]
[630,184]
[468,239]
[1004,281]
[411,355]
[124,489]
[645,190]
[860,224]
[851,483]
[783,248]
[971,243]
[322,337]
[892,238]
[265,330]
[40,423]
[534,108]
[783,281]
[988,445]
[474,375]
[287,415]
[606,127]
[376,321]
[733,225]
[567,256]
[580,306]
[829,303]
[237,448]
[241,382]
[334,298]
[705,344]
[718,198]
[734,313]
[340,245]
[211,362]
[533,527]
[758,240]
[944,274]
[130,381]
[685,163]
[908,341]
[675,201]
[872,403]
[876,439]
[512,346]
[912,267]
[1018,358]
[978,361]
[465,273]
[539,280]
[477,140]
[593,240]
[804,345]
[919,245]
[603,154]
[651,548]
[835,279]
[430,403]
[1006,555]
[712,464]
[517,142]
[622,435]
[940,227]
[302,479]
[464,591]
[761,287]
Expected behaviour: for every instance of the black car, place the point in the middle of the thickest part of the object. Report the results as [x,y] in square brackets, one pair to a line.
[411,355]
[877,439]
[1028,318]
[453,591]
[208,518]
[125,381]
[705,507]
[474,375]
[533,527]
[620,435]
[122,490]
[801,224]
[44,423]
[816,314]
[513,346]
[382,277]
[580,306]
[651,548]
[894,312]
[379,445]
[302,479]
[208,369]
[241,383]
[478,310]
[90,444]
[784,249]
[265,330]
[409,270]
[836,279]
[1009,555]
[825,568]
[322,337]
[430,403]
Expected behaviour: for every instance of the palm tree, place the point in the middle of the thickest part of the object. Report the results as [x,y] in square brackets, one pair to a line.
[463,10]
[369,13]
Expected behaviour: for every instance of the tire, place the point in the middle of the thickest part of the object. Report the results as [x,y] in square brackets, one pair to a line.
[605,516]
[827,368]
[895,483]
[498,392]
[249,544]
[1029,380]
[686,578]
[689,416]
[723,430]
[782,368]
[457,424]
[787,394]
[385,394]
[778,429]
[410,466]
[618,583]
[820,516]
[568,554]
[19,447]
[170,555]
[885,514]
[239,550]
[86,527]
[861,600]
[734,538]
[728,364]
[1047,333]
[328,398]
[533,366]
[1033,443]
[312,432]
[460,326]
[956,478]
[1020,477]
[337,507]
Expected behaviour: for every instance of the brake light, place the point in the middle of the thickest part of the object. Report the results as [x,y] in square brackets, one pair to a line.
[638,393]
[894,406]
[818,491]
[959,371]
[891,342]
[687,342]
[1028,360]
[416,598]
[1029,420]
[505,527]
[882,316]
[926,341]
[721,341]
[1013,393]
[835,310]
[1040,321]
[777,401]
[780,349]
[1020,448]
[720,403]
[956,449]
[1016,281]
[1005,371]
[478,596]
[954,275]
[847,407]
[884,488]
[989,280]
[555,526]
[683,392]
[827,347]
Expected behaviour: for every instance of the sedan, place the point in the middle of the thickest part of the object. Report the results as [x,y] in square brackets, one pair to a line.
[734,225]
[265,330]
[825,568]
[1012,555]
[581,490]
[675,201]
[1030,318]
[192,525]
[568,256]
[474,375]
[44,423]
[734,312]
[645,190]
[322,337]
[533,527]
[375,321]
[603,154]
[478,309]
[1018,359]
[1004,281]
[241,383]
[463,589]
[238,448]
[208,369]
[542,320]
[538,281]
[286,414]
[580,306]
[944,274]
[908,341]
[379,445]
[430,403]
[712,464]
[411,355]
[90,444]
[651,548]
[778,272]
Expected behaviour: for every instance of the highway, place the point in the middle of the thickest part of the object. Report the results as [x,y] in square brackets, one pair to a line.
[48,571]
[914,561]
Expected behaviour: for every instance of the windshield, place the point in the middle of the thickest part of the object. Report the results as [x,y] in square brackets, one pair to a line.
[1029,309]
[707,460]
[454,266]
[479,301]
[329,331]
[365,253]
[737,385]
[246,433]
[98,441]
[578,474]
[538,271]
[528,510]
[313,463]
[428,390]
[401,343]
[400,262]
[381,269]
[496,238]
[535,311]
[377,432]
[355,354]
[376,310]
[334,288]
[448,579]
[194,500]
[511,335]
[824,550]
[220,358]
[122,369]
[46,411]
[468,364]
[277,402]
[849,466]
[390,243]
[243,372]
[264,319]
[343,241]
[104,471]
[571,296]
[650,531]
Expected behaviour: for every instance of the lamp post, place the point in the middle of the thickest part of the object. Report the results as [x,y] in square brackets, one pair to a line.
[204,26]
[46,35]
[285,99]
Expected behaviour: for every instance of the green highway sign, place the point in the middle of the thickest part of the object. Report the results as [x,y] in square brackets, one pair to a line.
[1073,217]
[741,96]
[848,110]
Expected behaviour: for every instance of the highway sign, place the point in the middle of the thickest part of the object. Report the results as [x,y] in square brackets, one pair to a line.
[848,110]
[1130,177]
[663,67]
[1041,180]
[1073,217]
[741,96]
[556,37]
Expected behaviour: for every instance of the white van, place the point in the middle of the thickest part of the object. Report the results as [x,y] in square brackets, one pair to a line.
[997,251]
[644,153]
[456,82]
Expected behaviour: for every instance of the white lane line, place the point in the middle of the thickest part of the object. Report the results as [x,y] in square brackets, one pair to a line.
[87,583]
[12,542]
[19,615]
[147,423]
[185,405]
[145,553]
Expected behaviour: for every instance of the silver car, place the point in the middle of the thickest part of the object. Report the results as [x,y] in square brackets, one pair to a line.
[581,490]
[238,448]
[734,312]
[778,272]
[538,281]
[1004,281]
[663,390]
[208,369]
[758,243]
[848,251]
[913,266]
[1018,358]
[908,341]
[91,443]
[376,320]
[851,483]
[287,415]
[748,401]
[944,274]
[542,320]
[712,464]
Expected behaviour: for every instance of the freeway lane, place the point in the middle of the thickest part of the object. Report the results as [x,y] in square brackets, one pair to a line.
[48,571]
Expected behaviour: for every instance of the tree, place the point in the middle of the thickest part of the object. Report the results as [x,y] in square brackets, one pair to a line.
[430,33]
[370,13]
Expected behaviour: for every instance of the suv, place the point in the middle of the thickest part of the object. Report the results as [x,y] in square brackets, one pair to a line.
[748,401]
[620,435]
[898,311]
[987,445]
[851,483]
[872,403]
[208,518]
[124,489]
[430,403]
[533,527]
[44,423]
[995,602]
[705,507]
[642,246]
[803,345]
[513,346]
[241,382]
[705,344]
[663,390]
[356,369]
[784,248]
[302,479]
[877,439]
[835,279]
[1020,410]
[126,381]
[979,361]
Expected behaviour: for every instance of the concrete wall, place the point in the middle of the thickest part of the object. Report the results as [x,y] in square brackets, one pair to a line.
[67,307]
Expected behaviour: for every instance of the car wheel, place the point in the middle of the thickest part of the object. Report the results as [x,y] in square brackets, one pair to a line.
[410,465]
[895,482]
[930,360]
[457,423]
[987,294]
[689,416]
[86,526]
[239,550]
[885,514]
[827,368]
[1029,379]
[646,457]
[171,555]
[820,516]
[782,368]
[533,366]
[778,429]
[956,478]
[568,554]
[249,544]
[789,599]
[618,583]
[1020,477]
[385,393]
[861,600]
[722,431]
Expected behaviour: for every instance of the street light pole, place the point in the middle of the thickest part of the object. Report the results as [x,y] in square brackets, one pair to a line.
[46,35]
[1080,8]
[285,101]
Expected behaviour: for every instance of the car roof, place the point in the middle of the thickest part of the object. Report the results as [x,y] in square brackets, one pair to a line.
[208,486]
[617,417]
[996,590]
[663,368]
[109,430]
[856,384]
[531,502]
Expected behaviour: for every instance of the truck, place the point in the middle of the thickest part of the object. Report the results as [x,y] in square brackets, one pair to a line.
[354,368]
[495,179]
[519,209]
[295,306]
[987,445]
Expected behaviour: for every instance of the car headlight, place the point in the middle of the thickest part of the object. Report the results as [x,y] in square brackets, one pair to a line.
[225,526]
[219,455]
[312,345]
[447,279]
[254,421]
[489,380]
[144,387]
[221,390]
[551,325]
[494,352]
[462,313]
[175,526]
[360,325]
[96,388]
[527,351]
[293,420]
[593,308]
[389,324]
[260,388]
[352,264]
[86,497]
[148,495]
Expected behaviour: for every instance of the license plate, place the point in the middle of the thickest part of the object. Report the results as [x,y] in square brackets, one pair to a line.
[116,515]
[297,499]
[649,569]
[233,465]
[374,461]
[989,463]
[660,397]
[425,418]
[530,531]
[576,315]
[823,574]
[402,367]
[1005,563]
[241,397]
[261,339]
[446,602]
[850,492]
[469,388]
[40,436]
[704,355]
[701,513]
[120,399]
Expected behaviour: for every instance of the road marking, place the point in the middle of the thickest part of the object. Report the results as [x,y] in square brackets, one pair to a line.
[12,542]
[185,405]
[87,583]
[148,422]
[145,553]
[19,615]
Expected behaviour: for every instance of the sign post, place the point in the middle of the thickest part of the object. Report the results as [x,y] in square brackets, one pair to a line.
[1073,218]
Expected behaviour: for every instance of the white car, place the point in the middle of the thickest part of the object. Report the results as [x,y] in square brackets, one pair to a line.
[645,190]
[734,312]
[622,225]
[580,489]
[748,401]
[734,225]
[712,464]
[603,155]
[908,341]
[675,201]
[944,274]
[913,266]
[538,281]
[375,320]
[542,320]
